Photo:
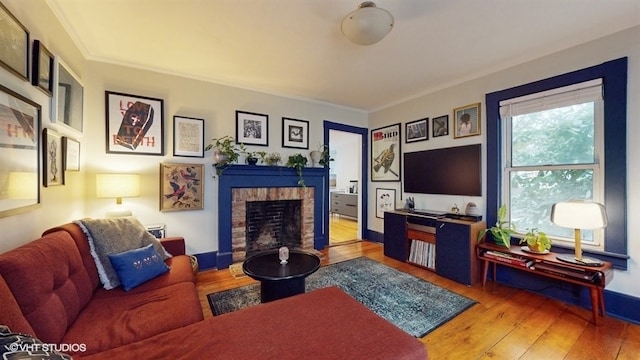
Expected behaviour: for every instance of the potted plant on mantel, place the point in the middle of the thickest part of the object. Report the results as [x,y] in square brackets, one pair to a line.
[320,156]
[502,230]
[298,162]
[226,152]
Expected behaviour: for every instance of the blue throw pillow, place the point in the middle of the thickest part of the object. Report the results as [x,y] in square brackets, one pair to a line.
[137,266]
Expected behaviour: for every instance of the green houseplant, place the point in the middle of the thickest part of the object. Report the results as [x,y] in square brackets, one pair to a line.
[298,162]
[321,156]
[252,157]
[501,231]
[225,153]
[536,240]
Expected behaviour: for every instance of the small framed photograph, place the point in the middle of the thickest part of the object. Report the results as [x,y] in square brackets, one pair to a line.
[181,187]
[188,136]
[15,54]
[252,128]
[386,153]
[440,126]
[135,124]
[385,201]
[295,133]
[71,151]
[68,98]
[417,130]
[467,121]
[42,72]
[52,168]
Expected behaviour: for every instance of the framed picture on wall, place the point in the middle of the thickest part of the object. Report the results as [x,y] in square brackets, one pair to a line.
[71,151]
[181,187]
[295,133]
[135,124]
[15,56]
[385,153]
[385,201]
[417,130]
[68,98]
[252,128]
[467,121]
[440,126]
[52,166]
[188,136]
[19,153]
[42,73]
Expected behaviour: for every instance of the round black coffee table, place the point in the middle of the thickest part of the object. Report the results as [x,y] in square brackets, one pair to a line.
[277,280]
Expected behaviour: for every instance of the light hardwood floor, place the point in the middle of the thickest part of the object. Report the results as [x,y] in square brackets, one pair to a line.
[342,229]
[506,323]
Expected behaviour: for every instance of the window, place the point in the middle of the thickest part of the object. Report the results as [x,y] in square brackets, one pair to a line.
[612,162]
[552,152]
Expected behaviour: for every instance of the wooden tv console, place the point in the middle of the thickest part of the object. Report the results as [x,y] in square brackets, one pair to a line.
[546,265]
[444,243]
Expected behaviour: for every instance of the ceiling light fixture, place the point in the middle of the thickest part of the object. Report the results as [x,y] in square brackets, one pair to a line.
[368,24]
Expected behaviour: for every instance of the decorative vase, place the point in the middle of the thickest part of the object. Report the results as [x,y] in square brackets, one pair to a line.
[315,157]
[219,157]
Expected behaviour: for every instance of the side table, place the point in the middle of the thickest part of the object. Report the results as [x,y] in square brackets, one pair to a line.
[546,265]
[277,280]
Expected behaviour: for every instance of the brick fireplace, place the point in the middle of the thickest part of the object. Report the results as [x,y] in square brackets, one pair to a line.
[274,207]
[241,183]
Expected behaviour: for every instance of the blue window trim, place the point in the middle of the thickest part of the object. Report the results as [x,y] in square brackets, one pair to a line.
[614,77]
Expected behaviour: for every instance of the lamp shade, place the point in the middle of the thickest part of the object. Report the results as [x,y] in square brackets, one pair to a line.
[577,214]
[368,24]
[117,185]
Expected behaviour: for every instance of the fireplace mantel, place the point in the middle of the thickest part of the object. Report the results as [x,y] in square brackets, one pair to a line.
[253,176]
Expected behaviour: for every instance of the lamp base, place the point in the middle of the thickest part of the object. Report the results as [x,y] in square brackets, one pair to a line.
[118,211]
[582,262]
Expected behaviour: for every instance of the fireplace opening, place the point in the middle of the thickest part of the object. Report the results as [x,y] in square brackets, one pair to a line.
[273,224]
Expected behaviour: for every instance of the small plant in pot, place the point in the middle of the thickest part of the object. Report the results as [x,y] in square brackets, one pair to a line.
[252,157]
[225,153]
[537,241]
[298,162]
[272,159]
[321,156]
[501,231]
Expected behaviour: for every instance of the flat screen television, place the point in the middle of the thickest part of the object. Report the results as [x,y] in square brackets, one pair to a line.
[446,171]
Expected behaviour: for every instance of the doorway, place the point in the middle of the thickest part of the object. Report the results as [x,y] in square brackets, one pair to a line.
[347,176]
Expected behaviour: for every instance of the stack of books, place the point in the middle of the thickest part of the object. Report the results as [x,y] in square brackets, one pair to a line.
[423,253]
[508,258]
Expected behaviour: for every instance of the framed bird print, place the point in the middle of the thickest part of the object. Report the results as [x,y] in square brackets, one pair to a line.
[385,153]
[181,187]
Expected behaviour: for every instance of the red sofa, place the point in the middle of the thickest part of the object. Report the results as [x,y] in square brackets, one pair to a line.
[49,289]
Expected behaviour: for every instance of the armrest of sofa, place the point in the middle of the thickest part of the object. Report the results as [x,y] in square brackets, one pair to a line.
[174,245]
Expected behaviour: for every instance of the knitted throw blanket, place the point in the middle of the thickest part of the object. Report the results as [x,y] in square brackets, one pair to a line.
[113,236]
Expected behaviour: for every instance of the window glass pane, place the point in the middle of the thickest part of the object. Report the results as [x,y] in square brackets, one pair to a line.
[534,192]
[563,135]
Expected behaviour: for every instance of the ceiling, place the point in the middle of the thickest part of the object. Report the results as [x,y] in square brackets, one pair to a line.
[295,48]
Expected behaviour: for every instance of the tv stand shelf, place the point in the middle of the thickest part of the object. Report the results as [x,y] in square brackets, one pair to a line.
[434,242]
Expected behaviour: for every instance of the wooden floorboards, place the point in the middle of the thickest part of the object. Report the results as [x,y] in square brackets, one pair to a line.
[342,229]
[507,323]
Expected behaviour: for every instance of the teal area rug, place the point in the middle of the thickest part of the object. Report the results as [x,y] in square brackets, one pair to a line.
[412,304]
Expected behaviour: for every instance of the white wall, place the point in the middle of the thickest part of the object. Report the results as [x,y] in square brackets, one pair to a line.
[59,203]
[182,96]
[618,45]
[187,97]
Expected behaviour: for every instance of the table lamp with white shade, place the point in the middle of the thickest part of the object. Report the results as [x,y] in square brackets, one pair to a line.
[579,215]
[118,186]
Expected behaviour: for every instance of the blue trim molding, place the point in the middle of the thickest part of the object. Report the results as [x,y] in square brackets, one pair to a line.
[252,176]
[614,77]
